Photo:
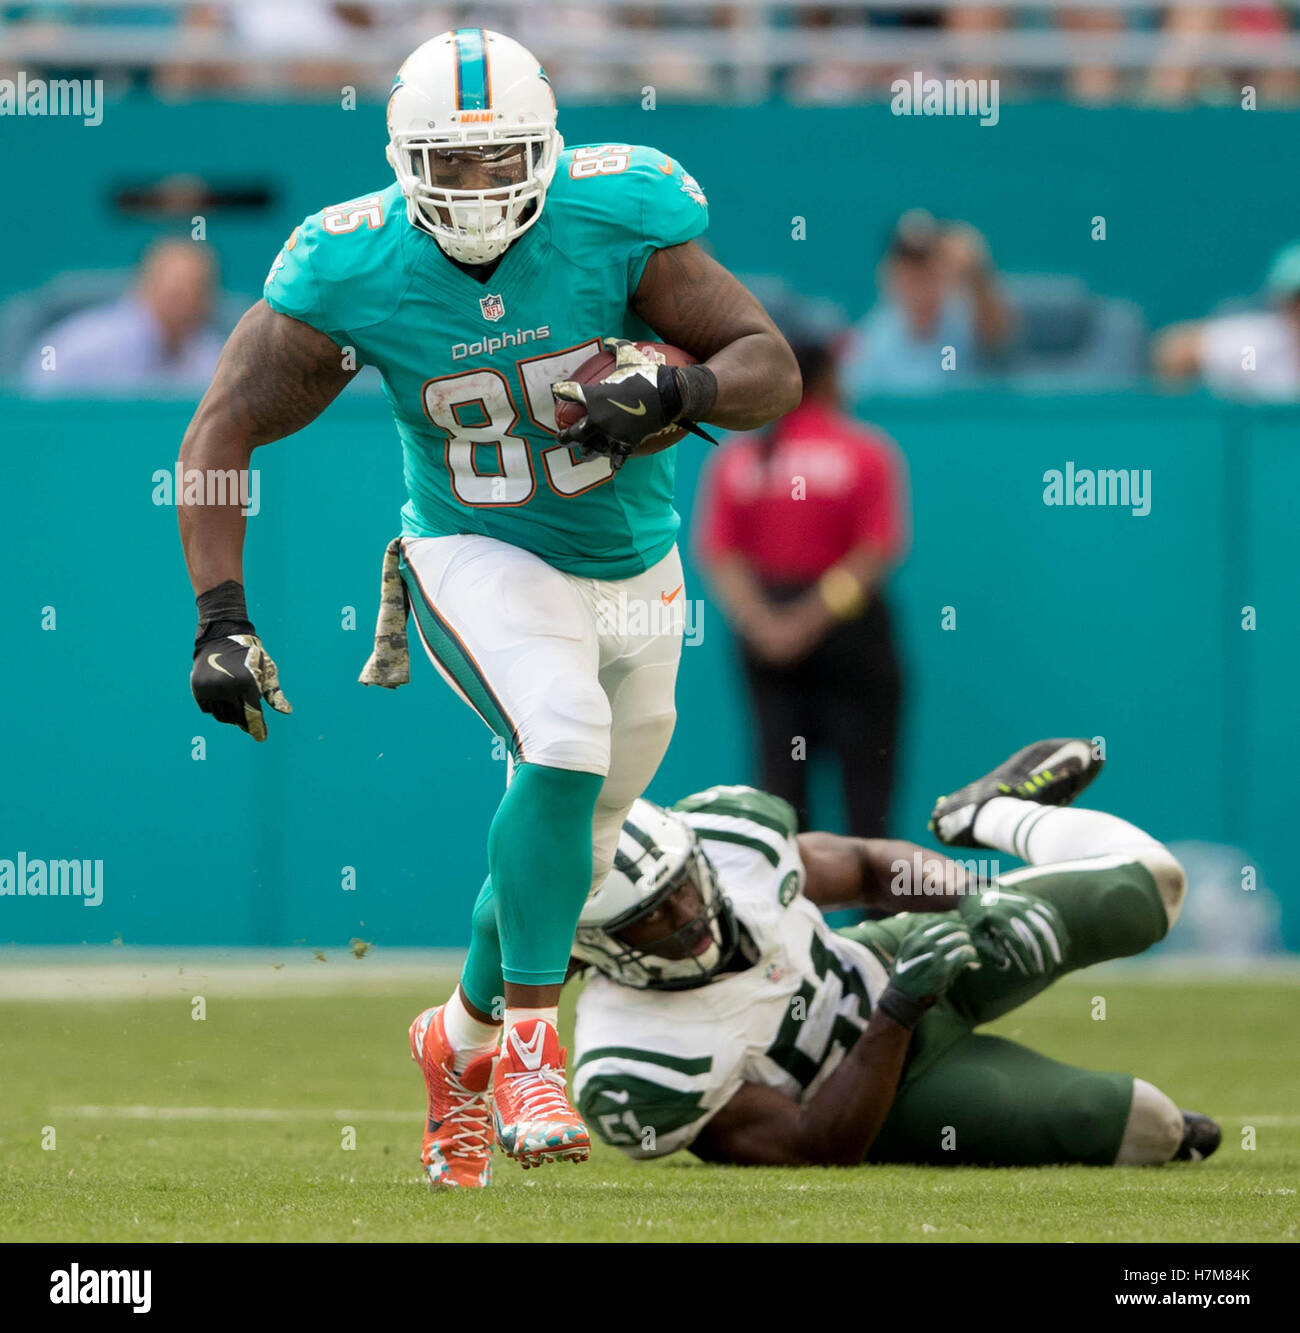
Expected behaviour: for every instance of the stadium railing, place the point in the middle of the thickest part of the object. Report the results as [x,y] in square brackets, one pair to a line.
[607,46]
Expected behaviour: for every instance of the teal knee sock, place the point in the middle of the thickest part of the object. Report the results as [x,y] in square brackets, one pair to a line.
[481,978]
[539,851]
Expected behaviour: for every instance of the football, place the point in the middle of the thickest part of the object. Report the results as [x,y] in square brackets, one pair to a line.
[595,368]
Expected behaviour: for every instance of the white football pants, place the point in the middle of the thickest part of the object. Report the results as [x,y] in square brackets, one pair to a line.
[572,672]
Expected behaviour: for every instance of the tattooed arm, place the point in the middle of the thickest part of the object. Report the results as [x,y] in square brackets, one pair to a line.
[276,375]
[692,302]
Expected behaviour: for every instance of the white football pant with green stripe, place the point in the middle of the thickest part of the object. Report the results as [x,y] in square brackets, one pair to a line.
[572,672]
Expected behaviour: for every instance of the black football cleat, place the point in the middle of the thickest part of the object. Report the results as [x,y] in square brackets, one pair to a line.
[1048,772]
[1201,1136]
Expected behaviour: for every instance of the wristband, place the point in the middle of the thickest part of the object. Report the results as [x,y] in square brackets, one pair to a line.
[222,609]
[697,391]
[904,1009]
[843,595]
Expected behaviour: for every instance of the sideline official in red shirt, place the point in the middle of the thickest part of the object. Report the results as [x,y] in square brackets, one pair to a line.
[799,528]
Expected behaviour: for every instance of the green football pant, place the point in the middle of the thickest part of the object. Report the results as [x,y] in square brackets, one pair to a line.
[973,1098]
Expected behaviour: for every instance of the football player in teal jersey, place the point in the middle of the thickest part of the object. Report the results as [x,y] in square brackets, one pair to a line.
[496,265]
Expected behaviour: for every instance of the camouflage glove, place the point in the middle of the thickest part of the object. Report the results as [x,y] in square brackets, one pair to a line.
[1016,930]
[931,958]
[639,398]
[232,672]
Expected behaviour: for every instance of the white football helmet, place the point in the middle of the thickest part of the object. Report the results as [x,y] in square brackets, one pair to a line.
[472,92]
[657,853]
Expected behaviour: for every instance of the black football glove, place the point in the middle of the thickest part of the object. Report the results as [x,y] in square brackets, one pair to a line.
[232,672]
[640,398]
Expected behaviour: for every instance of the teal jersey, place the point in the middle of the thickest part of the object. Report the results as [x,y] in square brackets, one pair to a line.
[468,366]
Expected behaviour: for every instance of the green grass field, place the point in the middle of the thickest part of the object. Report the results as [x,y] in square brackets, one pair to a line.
[232,1128]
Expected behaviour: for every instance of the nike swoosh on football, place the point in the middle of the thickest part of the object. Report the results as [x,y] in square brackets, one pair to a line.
[215,664]
[637,411]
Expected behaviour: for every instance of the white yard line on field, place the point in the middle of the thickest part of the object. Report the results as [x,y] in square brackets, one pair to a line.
[101,975]
[230,1113]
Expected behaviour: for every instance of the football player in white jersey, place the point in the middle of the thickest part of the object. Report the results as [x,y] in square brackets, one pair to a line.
[724,1016]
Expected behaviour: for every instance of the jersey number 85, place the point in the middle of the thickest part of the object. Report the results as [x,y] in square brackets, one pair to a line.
[477,407]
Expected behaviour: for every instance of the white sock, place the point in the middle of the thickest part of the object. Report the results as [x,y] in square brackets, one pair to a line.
[1154,1129]
[516,1016]
[1041,834]
[468,1036]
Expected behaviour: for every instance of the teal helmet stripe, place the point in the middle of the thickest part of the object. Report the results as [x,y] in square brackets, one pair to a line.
[473,88]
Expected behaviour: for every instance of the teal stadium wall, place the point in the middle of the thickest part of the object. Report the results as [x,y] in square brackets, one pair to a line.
[1069,621]
[1087,621]
[1195,202]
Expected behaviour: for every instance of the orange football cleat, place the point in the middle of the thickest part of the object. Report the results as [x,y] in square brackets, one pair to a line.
[535,1120]
[457,1151]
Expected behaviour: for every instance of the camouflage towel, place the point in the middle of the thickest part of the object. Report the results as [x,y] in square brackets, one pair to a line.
[390,662]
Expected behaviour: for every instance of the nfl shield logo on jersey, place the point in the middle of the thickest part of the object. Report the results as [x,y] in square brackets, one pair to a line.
[493,307]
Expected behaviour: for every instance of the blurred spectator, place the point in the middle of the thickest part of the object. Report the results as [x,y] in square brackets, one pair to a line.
[810,52]
[1097,81]
[1194,32]
[304,45]
[977,21]
[564,34]
[1250,355]
[799,526]
[675,70]
[156,334]
[828,80]
[940,313]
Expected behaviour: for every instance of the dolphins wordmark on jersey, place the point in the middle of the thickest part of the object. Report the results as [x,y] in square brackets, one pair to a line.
[652,1067]
[467,366]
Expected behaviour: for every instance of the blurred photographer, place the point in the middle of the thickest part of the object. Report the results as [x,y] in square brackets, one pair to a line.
[1253,355]
[941,315]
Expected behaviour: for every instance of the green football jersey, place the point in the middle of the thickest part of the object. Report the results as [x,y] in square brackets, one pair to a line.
[467,366]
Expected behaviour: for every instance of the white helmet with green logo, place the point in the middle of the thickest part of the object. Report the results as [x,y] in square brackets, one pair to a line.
[657,854]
